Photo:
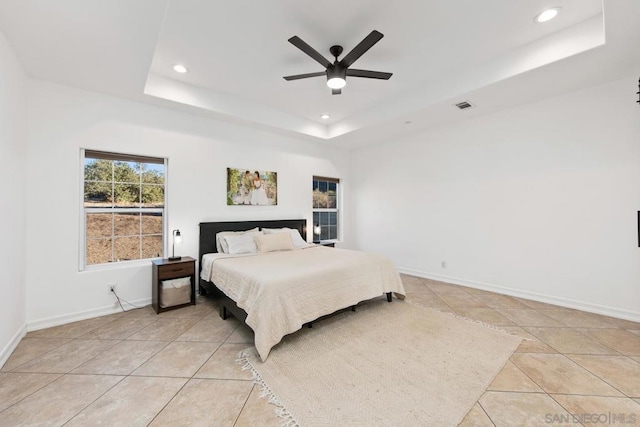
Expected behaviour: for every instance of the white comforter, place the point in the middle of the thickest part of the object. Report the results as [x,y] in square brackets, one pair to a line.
[281,291]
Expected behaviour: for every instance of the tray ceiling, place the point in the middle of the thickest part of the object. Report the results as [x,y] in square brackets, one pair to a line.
[490,53]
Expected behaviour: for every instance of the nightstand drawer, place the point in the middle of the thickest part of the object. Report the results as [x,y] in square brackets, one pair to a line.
[172,271]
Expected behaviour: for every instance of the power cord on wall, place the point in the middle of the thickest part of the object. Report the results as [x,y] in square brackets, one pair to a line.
[135,307]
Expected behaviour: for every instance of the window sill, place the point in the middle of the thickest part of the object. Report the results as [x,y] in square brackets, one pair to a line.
[326,242]
[117,265]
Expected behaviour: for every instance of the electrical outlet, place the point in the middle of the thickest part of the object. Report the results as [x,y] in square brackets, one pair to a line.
[112,288]
[444,264]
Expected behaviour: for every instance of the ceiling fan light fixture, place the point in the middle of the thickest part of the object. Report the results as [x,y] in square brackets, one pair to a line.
[547,15]
[336,76]
[336,83]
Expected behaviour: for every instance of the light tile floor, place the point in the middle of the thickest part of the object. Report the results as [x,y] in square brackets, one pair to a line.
[178,368]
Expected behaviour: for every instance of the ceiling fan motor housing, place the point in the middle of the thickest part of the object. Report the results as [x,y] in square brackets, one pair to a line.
[337,71]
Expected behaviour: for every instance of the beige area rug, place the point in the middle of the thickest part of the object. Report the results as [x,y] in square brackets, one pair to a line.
[391,364]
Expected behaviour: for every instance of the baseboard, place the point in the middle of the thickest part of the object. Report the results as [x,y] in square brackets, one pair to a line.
[12,344]
[634,316]
[48,322]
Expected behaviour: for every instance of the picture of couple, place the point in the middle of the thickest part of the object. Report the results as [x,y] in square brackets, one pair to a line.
[245,187]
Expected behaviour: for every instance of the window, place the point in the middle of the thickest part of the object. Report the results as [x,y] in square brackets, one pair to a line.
[326,207]
[123,207]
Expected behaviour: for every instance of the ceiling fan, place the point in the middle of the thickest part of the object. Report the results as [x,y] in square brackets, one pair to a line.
[338,71]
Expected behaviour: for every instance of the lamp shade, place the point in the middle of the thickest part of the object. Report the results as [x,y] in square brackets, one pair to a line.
[177,238]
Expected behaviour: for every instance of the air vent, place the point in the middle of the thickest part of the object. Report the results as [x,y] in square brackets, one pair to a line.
[464,105]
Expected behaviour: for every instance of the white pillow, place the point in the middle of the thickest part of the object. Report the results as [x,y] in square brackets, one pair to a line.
[221,244]
[296,238]
[274,242]
[241,243]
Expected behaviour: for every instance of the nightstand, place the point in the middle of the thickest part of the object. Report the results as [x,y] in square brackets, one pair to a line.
[174,296]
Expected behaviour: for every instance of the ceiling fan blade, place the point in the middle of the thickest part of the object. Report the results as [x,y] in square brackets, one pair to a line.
[369,74]
[366,44]
[336,91]
[305,76]
[300,44]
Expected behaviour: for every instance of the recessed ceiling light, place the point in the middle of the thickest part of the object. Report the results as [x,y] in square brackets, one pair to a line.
[408,122]
[179,68]
[547,15]
[325,116]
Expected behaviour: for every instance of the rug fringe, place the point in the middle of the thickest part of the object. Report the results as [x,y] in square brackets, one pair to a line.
[288,420]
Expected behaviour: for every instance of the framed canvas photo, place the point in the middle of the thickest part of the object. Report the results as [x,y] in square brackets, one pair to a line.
[251,188]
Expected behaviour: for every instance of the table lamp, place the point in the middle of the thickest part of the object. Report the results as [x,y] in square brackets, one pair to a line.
[177,238]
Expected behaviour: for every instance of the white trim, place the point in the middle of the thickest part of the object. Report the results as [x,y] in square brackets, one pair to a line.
[12,344]
[83,315]
[123,210]
[165,214]
[119,264]
[81,220]
[619,313]
[337,210]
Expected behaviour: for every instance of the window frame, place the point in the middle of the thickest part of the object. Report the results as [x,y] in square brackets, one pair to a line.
[112,155]
[337,209]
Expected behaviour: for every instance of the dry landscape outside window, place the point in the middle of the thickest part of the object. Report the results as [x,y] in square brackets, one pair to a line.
[123,206]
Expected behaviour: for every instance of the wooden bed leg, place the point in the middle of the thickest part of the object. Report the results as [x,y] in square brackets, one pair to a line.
[353,308]
[310,325]
[389,296]
[223,312]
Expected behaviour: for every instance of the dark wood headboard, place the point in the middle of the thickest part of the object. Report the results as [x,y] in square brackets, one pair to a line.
[208,230]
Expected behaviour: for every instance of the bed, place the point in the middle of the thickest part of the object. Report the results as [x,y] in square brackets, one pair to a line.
[276,293]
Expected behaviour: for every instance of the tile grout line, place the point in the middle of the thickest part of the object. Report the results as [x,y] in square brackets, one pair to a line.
[526,375]
[566,409]
[30,360]
[580,394]
[14,370]
[616,353]
[35,391]
[244,405]
[485,411]
[148,376]
[598,376]
[168,401]
[446,306]
[92,402]
[194,374]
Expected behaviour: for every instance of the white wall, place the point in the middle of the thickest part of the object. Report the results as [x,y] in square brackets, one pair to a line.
[13,177]
[61,120]
[538,201]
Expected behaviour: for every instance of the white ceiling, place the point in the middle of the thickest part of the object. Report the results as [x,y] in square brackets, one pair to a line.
[440,52]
